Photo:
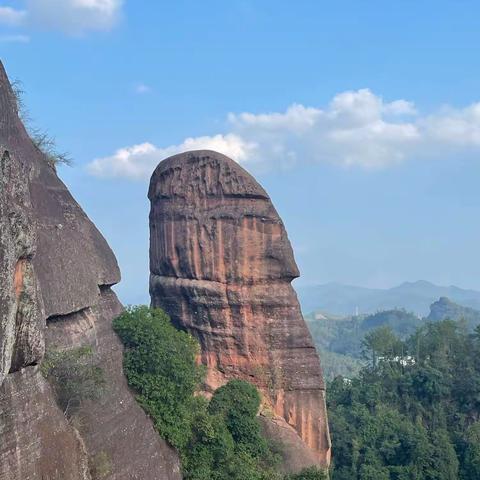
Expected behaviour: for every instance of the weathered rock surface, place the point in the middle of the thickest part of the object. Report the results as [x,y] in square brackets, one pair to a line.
[114,426]
[56,270]
[36,441]
[21,323]
[221,265]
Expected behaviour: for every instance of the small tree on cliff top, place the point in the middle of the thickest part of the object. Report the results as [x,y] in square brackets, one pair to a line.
[41,139]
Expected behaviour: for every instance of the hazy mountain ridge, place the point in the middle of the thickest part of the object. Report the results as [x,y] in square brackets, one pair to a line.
[416,297]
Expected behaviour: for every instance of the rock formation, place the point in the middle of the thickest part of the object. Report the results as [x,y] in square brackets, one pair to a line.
[221,265]
[444,309]
[56,271]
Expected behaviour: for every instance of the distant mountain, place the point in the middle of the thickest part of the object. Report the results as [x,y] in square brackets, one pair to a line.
[416,297]
[445,308]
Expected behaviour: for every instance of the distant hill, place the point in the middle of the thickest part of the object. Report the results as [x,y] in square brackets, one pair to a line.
[339,299]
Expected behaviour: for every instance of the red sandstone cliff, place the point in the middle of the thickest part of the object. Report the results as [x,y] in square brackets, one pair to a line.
[221,265]
[56,271]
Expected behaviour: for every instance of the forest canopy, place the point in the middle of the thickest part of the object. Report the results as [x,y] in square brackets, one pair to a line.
[413,411]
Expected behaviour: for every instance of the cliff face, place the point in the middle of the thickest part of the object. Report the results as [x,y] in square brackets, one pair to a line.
[56,271]
[221,265]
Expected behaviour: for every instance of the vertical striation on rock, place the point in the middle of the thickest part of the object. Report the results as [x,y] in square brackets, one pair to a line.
[21,323]
[221,265]
[56,271]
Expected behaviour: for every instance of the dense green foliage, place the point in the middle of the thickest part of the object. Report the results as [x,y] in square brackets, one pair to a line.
[74,375]
[159,363]
[308,474]
[414,411]
[217,440]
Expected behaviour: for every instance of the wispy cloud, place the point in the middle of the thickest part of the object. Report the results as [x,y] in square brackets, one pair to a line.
[14,39]
[356,129]
[74,17]
[11,16]
[142,89]
[137,162]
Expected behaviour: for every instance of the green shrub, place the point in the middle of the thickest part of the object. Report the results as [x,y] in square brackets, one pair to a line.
[311,473]
[211,447]
[41,139]
[217,440]
[74,375]
[237,396]
[160,365]
[238,403]
[100,466]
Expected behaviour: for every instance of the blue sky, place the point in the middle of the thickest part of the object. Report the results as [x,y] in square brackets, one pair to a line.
[359,118]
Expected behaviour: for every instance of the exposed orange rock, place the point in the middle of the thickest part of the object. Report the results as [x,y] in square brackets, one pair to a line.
[18,277]
[221,265]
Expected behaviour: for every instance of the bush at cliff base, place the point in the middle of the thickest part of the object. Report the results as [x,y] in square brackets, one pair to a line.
[311,473]
[75,377]
[159,363]
[217,440]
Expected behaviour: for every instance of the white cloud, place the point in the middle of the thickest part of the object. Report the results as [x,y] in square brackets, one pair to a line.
[14,39]
[139,161]
[69,16]
[356,129]
[400,107]
[455,127]
[12,17]
[74,16]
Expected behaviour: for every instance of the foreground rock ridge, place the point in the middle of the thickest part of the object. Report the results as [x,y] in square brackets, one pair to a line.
[56,271]
[221,265]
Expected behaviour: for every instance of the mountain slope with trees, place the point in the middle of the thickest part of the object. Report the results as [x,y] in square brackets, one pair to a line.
[339,340]
[414,411]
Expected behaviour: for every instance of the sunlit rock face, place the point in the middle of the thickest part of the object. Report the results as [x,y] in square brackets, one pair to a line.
[56,271]
[221,265]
